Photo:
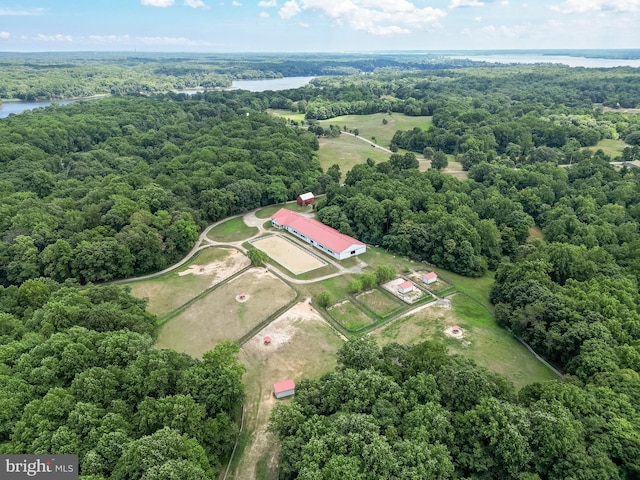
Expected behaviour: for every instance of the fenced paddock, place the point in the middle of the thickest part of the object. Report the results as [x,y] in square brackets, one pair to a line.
[288,254]
[223,315]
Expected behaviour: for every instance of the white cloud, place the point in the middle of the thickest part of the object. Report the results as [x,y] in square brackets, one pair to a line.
[465,3]
[53,38]
[235,3]
[303,24]
[264,14]
[504,3]
[270,3]
[4,35]
[584,6]
[477,19]
[378,17]
[195,4]
[289,9]
[157,3]
[21,13]
[109,38]
[179,41]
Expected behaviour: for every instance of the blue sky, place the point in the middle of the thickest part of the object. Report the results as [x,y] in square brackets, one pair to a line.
[316,25]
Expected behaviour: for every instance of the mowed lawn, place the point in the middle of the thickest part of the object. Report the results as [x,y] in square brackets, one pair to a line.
[266,212]
[219,316]
[484,340]
[370,126]
[172,290]
[233,230]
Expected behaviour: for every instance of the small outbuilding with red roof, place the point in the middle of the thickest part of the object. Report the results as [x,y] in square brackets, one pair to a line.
[285,388]
[405,287]
[321,236]
[430,277]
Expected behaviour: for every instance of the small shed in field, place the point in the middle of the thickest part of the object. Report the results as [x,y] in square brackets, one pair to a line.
[285,388]
[305,199]
[430,277]
[405,287]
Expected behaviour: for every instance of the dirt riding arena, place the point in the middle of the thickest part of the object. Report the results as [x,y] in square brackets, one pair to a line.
[217,271]
[288,254]
[302,344]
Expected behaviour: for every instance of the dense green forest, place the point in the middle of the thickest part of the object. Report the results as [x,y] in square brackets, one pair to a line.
[55,76]
[121,186]
[79,375]
[411,411]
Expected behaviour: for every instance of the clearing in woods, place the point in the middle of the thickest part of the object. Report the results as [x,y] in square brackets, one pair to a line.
[487,343]
[222,315]
[302,346]
[173,289]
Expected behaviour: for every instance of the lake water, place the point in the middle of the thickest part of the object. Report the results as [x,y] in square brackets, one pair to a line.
[18,107]
[561,59]
[284,83]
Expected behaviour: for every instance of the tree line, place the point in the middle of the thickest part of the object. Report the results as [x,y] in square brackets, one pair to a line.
[412,411]
[122,186]
[79,375]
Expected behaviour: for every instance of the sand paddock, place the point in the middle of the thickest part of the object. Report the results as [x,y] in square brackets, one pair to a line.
[288,254]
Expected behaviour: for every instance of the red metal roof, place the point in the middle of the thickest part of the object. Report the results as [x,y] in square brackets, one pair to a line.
[321,233]
[406,284]
[431,275]
[284,386]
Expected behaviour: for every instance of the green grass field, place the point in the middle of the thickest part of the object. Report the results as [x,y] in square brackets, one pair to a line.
[370,126]
[233,230]
[347,151]
[266,212]
[172,290]
[613,148]
[484,340]
[296,117]
[379,302]
[349,316]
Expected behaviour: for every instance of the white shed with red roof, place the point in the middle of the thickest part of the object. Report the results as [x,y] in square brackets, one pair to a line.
[405,287]
[321,236]
[430,277]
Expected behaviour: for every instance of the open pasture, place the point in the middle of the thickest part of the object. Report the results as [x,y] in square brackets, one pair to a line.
[483,339]
[611,147]
[288,254]
[347,151]
[224,315]
[173,289]
[372,125]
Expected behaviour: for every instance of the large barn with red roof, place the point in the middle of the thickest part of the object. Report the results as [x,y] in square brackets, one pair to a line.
[321,236]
